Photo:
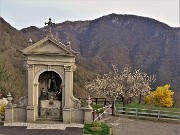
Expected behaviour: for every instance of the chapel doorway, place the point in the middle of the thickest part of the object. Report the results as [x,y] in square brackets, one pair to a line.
[50,95]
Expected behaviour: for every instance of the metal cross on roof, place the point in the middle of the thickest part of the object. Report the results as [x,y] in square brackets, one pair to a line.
[49,24]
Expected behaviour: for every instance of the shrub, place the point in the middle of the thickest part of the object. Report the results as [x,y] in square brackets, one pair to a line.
[162,96]
[2,109]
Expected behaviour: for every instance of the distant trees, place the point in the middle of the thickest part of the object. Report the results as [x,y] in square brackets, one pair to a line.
[11,81]
[4,76]
[125,85]
[162,96]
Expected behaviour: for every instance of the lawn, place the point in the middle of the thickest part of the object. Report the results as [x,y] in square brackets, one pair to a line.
[145,106]
[140,106]
[96,128]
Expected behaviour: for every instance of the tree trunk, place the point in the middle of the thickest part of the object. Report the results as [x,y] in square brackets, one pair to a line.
[129,100]
[124,101]
[140,97]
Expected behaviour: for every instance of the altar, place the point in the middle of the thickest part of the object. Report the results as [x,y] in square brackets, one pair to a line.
[50,109]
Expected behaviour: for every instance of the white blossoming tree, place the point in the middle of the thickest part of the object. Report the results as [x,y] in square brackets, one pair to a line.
[125,85]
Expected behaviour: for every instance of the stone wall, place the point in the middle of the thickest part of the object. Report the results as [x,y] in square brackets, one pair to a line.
[77,116]
[20,114]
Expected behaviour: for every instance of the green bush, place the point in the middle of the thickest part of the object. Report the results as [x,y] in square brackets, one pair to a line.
[96,128]
[2,109]
[95,107]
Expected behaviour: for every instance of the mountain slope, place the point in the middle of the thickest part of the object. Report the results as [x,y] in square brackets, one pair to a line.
[11,63]
[123,40]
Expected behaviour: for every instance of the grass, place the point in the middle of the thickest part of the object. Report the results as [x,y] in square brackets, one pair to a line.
[95,107]
[96,128]
[145,106]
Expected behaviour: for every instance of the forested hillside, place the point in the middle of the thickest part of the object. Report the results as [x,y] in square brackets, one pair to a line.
[11,62]
[139,42]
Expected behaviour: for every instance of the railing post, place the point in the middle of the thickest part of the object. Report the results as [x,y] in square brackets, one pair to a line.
[96,100]
[93,114]
[105,102]
[158,114]
[112,108]
[136,111]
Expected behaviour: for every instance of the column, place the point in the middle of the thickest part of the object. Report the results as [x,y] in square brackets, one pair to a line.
[68,86]
[30,86]
[36,90]
[67,94]
[30,108]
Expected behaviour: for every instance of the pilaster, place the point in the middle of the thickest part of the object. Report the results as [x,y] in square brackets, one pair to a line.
[68,86]
[36,89]
[30,85]
[67,115]
[30,113]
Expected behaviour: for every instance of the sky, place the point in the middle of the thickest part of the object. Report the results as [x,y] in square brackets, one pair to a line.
[24,13]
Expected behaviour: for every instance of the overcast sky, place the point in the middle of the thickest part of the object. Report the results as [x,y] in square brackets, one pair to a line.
[25,13]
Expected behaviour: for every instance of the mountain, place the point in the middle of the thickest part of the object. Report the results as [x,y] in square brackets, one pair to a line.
[11,61]
[140,42]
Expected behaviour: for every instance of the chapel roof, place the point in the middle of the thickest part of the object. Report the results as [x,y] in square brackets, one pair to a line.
[55,48]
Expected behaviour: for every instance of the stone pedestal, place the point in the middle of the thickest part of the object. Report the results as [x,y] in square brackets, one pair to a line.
[67,115]
[9,114]
[48,110]
[88,118]
[30,114]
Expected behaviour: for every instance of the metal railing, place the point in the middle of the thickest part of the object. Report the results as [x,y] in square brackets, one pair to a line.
[147,112]
[103,101]
[102,113]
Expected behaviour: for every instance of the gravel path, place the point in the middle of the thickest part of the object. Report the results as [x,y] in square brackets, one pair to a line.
[127,126]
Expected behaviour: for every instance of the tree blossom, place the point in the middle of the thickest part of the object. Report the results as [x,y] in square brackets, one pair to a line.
[125,84]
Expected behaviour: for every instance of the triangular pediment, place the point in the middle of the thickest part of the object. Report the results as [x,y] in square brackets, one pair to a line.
[48,45]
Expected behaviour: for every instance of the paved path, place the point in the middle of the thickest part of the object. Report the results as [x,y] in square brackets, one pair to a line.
[128,126]
[22,130]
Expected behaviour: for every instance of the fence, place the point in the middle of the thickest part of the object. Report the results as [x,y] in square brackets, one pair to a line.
[98,114]
[102,113]
[103,101]
[147,112]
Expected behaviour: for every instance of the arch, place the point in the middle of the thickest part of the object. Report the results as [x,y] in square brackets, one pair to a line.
[36,77]
[40,102]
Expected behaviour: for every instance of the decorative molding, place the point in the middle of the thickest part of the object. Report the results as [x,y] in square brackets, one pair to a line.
[36,84]
[68,68]
[38,68]
[60,69]
[77,102]
[48,67]
[74,67]
[27,66]
[77,105]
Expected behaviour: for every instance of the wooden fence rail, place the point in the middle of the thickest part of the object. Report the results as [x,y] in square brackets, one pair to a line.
[147,112]
[133,111]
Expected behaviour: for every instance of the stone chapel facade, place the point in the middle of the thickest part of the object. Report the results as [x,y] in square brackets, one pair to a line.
[50,65]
